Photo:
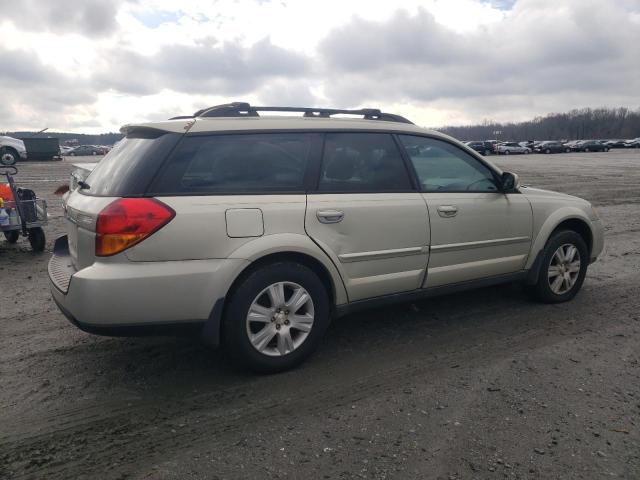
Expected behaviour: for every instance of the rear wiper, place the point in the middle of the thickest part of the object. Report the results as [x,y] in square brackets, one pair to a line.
[83,185]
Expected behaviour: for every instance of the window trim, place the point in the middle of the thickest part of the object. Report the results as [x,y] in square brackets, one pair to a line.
[312,175]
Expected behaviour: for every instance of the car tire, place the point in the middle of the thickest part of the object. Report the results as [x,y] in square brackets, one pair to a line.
[487,152]
[8,156]
[507,152]
[37,239]
[259,324]
[558,280]
[567,150]
[12,236]
[547,151]
[586,149]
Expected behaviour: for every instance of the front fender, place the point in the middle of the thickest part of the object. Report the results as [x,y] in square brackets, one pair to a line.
[550,224]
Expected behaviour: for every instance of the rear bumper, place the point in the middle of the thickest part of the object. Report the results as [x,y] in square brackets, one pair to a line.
[137,297]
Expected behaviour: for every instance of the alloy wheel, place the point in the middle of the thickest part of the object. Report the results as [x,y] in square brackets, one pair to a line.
[280,319]
[564,269]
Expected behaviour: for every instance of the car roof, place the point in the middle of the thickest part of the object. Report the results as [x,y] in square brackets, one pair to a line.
[279,122]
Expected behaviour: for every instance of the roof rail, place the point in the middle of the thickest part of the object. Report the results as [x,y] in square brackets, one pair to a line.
[243,109]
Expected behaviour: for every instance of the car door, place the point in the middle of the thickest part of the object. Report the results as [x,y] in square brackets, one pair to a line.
[367,215]
[477,230]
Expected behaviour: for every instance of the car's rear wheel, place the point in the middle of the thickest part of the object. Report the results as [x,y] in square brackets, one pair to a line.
[37,239]
[507,152]
[12,236]
[563,267]
[276,317]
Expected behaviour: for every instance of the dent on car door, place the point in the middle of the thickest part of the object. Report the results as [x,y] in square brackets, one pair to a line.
[477,231]
[367,216]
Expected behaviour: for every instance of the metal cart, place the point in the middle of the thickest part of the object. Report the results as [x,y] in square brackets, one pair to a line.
[27,213]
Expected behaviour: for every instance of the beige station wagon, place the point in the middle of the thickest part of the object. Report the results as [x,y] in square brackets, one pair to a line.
[257,230]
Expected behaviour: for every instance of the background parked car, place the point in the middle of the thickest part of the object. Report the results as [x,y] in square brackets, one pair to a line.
[551,147]
[11,150]
[83,150]
[635,143]
[508,148]
[482,147]
[590,146]
[615,143]
[530,144]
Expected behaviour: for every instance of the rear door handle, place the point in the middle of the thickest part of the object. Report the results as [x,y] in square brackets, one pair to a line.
[329,216]
[447,211]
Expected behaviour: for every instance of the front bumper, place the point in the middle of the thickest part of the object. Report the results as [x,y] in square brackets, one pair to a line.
[597,228]
[114,298]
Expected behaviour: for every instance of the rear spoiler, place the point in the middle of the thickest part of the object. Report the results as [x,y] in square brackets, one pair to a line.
[156,129]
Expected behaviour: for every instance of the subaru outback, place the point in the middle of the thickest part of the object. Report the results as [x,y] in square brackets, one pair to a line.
[256,230]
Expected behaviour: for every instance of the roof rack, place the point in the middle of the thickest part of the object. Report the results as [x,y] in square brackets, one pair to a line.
[243,109]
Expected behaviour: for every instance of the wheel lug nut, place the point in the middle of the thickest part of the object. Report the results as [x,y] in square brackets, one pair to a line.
[286,322]
[277,327]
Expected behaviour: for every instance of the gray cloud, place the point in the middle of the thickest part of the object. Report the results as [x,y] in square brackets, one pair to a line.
[539,58]
[40,89]
[584,51]
[206,68]
[92,18]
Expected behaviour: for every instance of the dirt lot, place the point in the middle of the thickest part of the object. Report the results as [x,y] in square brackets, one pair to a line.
[483,384]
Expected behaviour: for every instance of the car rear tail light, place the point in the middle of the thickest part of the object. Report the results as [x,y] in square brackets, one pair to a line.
[128,221]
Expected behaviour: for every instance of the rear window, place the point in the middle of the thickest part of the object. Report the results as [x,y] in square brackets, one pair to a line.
[240,163]
[129,167]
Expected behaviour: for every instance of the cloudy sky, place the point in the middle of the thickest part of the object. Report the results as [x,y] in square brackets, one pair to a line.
[93,65]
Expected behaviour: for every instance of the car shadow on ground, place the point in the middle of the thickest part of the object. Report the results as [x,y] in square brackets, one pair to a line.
[145,364]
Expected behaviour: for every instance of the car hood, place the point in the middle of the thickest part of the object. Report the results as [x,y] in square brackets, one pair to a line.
[13,142]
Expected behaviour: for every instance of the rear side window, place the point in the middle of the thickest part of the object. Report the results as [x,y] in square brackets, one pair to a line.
[242,163]
[129,167]
[362,162]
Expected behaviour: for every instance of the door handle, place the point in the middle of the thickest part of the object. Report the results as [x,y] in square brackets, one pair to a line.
[329,216]
[447,211]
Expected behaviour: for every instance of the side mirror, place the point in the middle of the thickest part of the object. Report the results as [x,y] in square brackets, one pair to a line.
[510,182]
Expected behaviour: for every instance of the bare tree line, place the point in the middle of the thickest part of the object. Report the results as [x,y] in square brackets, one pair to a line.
[585,123]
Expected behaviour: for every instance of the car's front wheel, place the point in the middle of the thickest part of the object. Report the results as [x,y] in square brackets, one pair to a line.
[276,317]
[563,267]
[8,156]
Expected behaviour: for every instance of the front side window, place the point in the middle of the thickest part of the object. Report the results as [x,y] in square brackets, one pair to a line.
[443,167]
[243,163]
[362,162]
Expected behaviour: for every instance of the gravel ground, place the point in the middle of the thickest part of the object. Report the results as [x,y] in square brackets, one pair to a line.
[483,384]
